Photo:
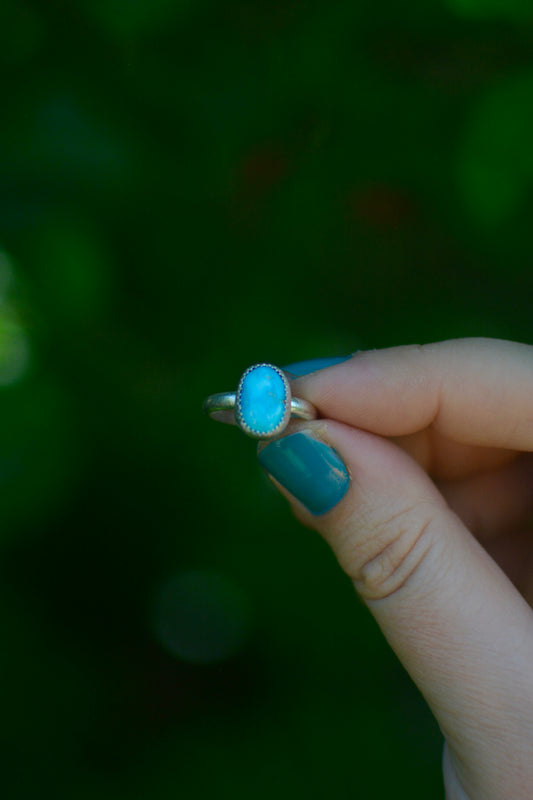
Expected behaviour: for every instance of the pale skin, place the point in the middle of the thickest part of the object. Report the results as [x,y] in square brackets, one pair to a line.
[436,533]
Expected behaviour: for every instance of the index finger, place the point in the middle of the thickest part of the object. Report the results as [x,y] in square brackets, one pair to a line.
[476,391]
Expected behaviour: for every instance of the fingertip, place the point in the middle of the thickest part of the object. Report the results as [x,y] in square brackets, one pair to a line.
[308,468]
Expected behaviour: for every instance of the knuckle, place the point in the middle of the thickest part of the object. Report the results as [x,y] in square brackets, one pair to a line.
[388,549]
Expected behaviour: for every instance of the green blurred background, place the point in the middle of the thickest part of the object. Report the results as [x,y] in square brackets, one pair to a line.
[188,187]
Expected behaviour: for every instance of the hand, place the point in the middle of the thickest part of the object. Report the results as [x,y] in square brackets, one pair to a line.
[425,498]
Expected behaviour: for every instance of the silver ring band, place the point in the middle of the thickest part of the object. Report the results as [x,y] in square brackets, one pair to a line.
[261,409]
[225,401]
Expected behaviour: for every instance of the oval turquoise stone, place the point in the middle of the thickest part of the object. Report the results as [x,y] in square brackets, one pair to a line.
[262,400]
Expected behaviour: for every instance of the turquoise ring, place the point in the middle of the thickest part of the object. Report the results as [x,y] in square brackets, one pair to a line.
[262,405]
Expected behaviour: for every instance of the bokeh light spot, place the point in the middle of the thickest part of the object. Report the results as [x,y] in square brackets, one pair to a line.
[14,344]
[14,350]
[496,160]
[201,617]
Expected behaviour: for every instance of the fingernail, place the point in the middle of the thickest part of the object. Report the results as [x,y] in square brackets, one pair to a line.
[299,368]
[309,469]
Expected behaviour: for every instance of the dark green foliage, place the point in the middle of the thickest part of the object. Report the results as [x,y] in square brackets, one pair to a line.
[188,188]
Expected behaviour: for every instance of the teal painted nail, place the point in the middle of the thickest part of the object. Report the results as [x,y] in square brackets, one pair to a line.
[299,368]
[308,469]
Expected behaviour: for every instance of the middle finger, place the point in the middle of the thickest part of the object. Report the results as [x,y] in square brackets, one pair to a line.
[494,502]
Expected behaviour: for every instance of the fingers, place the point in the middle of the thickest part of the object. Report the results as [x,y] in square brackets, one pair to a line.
[495,502]
[446,459]
[456,622]
[453,789]
[475,391]
[514,555]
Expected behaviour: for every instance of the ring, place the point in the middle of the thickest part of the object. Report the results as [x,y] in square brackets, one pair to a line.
[263,404]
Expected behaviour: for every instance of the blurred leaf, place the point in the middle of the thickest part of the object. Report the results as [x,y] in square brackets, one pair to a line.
[14,348]
[496,160]
[200,616]
[74,271]
[57,137]
[14,343]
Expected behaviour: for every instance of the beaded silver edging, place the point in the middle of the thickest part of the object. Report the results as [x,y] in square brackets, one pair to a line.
[282,424]
[226,404]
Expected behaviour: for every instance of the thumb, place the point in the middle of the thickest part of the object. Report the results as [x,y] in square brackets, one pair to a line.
[456,622]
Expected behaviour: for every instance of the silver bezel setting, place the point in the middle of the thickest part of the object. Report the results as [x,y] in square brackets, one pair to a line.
[280,427]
